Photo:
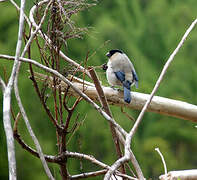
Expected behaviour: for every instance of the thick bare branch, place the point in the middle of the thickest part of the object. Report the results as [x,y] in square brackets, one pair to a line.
[7,100]
[182,175]
[158,104]
[161,105]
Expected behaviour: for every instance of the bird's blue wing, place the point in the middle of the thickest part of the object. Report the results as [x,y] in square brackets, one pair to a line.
[120,75]
[135,78]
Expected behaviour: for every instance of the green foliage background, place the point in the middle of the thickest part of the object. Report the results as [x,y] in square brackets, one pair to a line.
[148,31]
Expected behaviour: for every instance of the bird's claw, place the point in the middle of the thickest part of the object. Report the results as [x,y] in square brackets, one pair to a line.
[116,89]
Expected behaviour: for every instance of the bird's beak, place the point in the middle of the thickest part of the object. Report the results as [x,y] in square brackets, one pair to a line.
[108,54]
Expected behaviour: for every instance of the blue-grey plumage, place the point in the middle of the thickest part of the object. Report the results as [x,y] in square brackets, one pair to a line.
[121,72]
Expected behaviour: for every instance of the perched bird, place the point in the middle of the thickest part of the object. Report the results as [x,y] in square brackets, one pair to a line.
[121,72]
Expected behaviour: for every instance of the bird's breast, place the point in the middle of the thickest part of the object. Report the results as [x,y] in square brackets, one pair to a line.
[111,77]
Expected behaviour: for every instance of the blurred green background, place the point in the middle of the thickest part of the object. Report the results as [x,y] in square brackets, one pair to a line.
[148,32]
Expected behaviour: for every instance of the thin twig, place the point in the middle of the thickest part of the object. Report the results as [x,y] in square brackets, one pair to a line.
[89,174]
[33,34]
[98,173]
[163,161]
[15,128]
[46,38]
[75,128]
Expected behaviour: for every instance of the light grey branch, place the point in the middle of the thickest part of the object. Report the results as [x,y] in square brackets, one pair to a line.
[2,1]
[9,133]
[158,104]
[18,9]
[89,174]
[94,161]
[97,173]
[7,101]
[182,175]
[36,142]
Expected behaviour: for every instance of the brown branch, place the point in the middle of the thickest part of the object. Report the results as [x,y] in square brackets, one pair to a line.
[60,159]
[42,99]
[127,115]
[106,108]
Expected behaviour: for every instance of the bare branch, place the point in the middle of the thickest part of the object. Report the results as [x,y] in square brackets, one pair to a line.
[182,175]
[36,30]
[2,84]
[106,108]
[158,104]
[101,172]
[89,174]
[36,142]
[7,100]
[163,161]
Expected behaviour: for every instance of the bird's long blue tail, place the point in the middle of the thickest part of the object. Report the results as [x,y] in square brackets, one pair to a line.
[127,91]
[126,85]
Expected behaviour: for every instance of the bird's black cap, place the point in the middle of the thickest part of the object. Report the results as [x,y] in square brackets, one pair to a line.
[112,52]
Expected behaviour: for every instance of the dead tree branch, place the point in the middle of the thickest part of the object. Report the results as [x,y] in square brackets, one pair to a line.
[7,100]
[183,175]
[161,105]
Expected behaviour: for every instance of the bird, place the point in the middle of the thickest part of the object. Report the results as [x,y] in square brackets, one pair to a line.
[121,72]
